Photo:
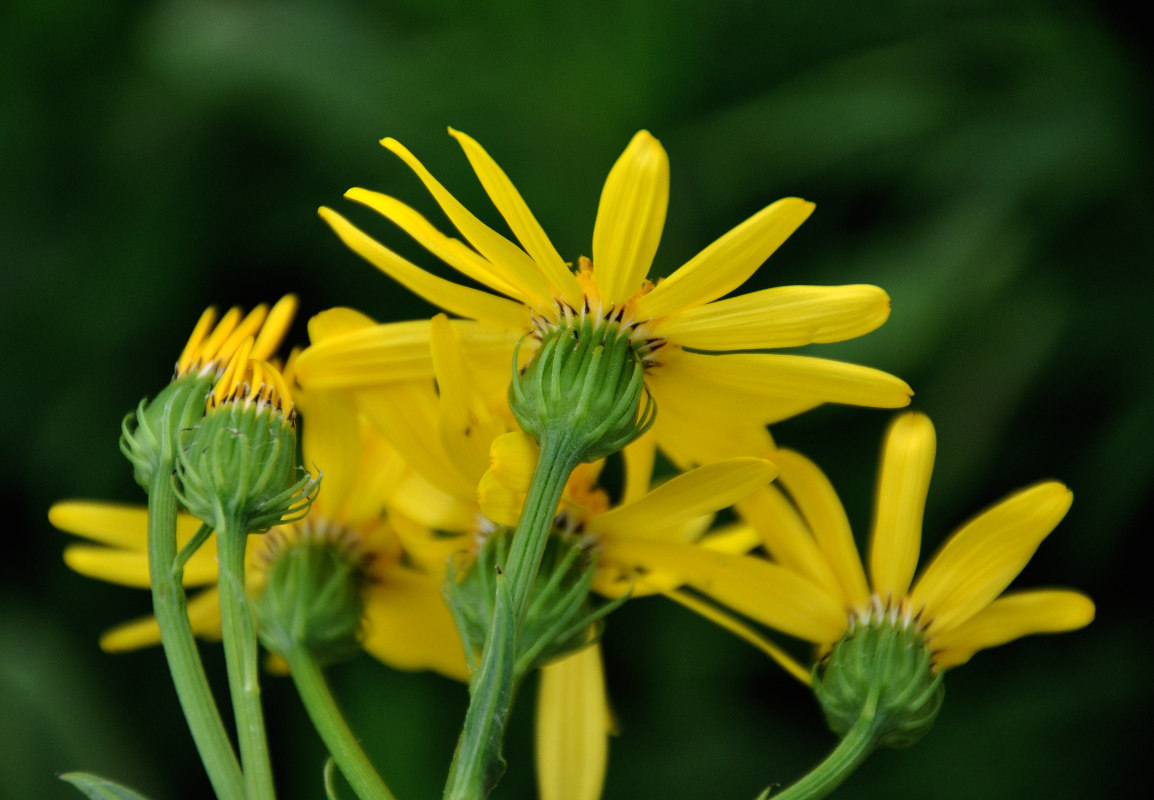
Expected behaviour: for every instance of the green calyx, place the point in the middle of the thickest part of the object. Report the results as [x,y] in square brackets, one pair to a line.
[560,618]
[313,594]
[152,435]
[584,383]
[882,669]
[238,468]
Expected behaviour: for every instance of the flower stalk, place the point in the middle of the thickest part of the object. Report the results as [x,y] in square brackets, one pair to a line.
[326,717]
[579,396]
[851,752]
[238,634]
[176,636]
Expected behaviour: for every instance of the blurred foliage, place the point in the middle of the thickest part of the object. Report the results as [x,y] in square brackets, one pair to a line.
[988,163]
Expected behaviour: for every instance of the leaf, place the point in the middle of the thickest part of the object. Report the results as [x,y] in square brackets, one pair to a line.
[98,788]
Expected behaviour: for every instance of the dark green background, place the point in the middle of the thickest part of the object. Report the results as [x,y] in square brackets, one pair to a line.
[988,163]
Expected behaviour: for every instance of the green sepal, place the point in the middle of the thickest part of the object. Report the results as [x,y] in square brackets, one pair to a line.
[151,436]
[312,598]
[98,788]
[559,620]
[239,466]
[882,669]
[585,382]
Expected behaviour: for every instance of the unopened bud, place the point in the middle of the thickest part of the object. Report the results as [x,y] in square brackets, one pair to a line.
[312,595]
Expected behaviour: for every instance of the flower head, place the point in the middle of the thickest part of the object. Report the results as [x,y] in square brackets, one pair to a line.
[154,434]
[816,587]
[696,347]
[238,467]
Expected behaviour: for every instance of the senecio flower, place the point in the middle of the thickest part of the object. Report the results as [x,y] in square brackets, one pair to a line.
[816,587]
[695,346]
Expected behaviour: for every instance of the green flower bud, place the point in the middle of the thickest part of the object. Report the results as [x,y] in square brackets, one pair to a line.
[881,668]
[313,591]
[585,384]
[152,436]
[560,619]
[238,469]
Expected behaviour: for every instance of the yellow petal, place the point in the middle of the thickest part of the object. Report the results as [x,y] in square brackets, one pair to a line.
[130,568]
[453,252]
[421,501]
[115,524]
[203,615]
[981,559]
[521,220]
[573,724]
[336,322]
[380,473]
[743,631]
[775,377]
[406,414]
[191,352]
[699,421]
[498,502]
[454,298]
[513,265]
[700,491]
[788,539]
[630,218]
[397,351]
[815,497]
[903,483]
[275,326]
[786,316]
[513,457]
[1010,617]
[466,426]
[639,457]
[761,590]
[331,441]
[213,346]
[728,262]
[408,626]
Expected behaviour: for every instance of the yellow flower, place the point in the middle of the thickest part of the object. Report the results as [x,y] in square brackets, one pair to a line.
[406,623]
[706,383]
[816,588]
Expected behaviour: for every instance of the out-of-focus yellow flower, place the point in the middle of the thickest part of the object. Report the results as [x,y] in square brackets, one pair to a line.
[712,393]
[406,623]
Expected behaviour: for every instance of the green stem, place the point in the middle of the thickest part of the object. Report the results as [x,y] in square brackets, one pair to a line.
[858,742]
[169,606]
[477,763]
[330,724]
[238,632]
[554,466]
